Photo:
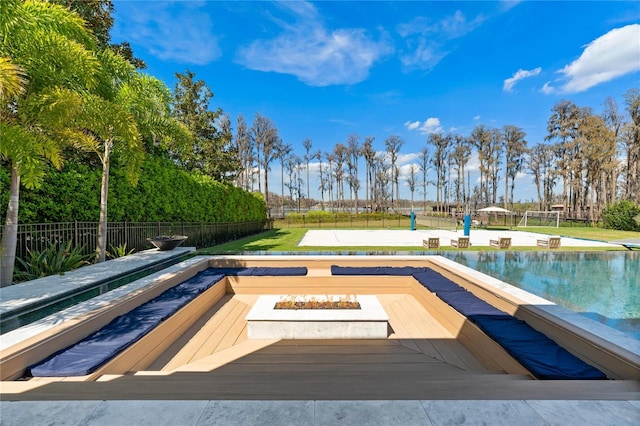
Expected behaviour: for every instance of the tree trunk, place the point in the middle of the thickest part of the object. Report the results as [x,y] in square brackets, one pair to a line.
[101,250]
[10,234]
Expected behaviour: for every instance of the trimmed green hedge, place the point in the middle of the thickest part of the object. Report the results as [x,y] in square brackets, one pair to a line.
[164,193]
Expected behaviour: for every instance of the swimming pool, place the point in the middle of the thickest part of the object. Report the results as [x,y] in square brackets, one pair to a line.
[604,286]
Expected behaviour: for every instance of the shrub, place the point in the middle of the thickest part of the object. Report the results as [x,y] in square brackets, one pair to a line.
[165,193]
[620,215]
[55,259]
[115,252]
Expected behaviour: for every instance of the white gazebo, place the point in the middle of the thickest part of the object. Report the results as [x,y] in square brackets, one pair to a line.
[496,209]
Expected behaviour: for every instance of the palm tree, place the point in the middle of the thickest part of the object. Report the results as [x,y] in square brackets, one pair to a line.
[50,50]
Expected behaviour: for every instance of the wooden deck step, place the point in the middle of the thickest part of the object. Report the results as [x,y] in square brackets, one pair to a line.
[236,382]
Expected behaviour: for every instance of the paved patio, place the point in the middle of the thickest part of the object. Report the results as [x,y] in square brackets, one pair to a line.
[407,238]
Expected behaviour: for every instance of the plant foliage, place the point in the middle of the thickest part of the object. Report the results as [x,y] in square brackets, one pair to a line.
[164,193]
[55,259]
[620,215]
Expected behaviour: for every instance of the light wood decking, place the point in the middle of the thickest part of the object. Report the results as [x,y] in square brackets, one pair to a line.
[225,331]
[431,353]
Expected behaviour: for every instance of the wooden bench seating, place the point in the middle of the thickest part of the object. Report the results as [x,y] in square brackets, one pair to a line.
[501,243]
[431,243]
[551,242]
[461,242]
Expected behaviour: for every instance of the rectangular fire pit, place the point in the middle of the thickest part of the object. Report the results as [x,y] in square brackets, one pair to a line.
[266,322]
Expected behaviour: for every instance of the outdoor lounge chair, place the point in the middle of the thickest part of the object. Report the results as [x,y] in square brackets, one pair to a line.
[551,242]
[461,242]
[431,243]
[501,243]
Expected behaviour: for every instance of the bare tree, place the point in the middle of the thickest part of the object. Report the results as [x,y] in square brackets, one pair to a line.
[440,160]
[615,121]
[308,156]
[424,168]
[369,156]
[353,154]
[598,146]
[481,139]
[284,153]
[631,142]
[393,144]
[460,156]
[516,148]
[411,181]
[561,127]
[381,183]
[340,157]
[322,184]
[330,157]
[246,153]
[266,137]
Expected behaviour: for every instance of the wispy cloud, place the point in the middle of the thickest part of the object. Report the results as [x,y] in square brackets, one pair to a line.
[606,58]
[316,55]
[426,40]
[517,76]
[182,33]
[430,125]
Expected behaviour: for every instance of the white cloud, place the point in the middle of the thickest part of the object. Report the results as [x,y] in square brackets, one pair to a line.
[517,76]
[547,88]
[412,125]
[610,56]
[407,158]
[430,125]
[316,55]
[181,33]
[477,117]
[426,40]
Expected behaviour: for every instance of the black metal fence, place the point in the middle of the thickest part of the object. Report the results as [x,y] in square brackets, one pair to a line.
[38,236]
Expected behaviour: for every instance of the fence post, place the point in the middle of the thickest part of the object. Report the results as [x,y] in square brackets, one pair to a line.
[75,233]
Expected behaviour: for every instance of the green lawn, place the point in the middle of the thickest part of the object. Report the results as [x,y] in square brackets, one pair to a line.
[287,239]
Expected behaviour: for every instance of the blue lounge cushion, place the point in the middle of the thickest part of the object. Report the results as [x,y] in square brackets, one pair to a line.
[436,282]
[376,270]
[87,355]
[469,304]
[543,357]
[262,271]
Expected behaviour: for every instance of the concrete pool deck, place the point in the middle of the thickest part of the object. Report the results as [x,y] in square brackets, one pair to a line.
[407,238]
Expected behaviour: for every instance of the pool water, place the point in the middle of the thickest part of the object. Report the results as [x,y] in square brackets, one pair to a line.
[604,286]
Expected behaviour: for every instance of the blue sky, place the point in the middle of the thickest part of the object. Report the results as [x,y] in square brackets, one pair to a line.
[323,70]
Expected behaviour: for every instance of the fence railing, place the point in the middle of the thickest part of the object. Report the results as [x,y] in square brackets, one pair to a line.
[38,236]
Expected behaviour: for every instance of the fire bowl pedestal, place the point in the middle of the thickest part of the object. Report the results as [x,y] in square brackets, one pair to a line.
[167,242]
[266,322]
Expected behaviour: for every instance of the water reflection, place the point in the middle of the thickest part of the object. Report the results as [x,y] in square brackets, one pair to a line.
[604,286]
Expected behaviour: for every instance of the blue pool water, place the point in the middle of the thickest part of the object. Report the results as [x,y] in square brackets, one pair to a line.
[605,286]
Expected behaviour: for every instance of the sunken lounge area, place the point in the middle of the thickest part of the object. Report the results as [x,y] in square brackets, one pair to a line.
[450,334]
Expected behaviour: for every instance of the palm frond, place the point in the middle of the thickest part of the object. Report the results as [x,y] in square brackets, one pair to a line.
[58,19]
[12,79]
